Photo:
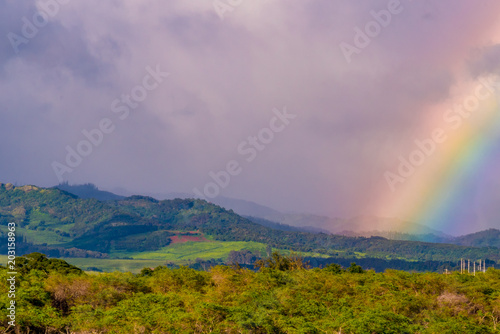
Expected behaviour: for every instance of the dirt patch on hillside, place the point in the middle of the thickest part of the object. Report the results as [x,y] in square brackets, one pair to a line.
[177,239]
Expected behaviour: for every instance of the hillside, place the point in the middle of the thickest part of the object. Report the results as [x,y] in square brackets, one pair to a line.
[285,227]
[88,190]
[240,206]
[247,209]
[393,229]
[58,223]
[488,238]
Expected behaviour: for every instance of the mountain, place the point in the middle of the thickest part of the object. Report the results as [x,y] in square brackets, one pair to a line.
[304,219]
[385,227]
[56,221]
[389,228]
[392,235]
[371,224]
[241,207]
[488,238]
[88,190]
[284,227]
[366,226]
[244,208]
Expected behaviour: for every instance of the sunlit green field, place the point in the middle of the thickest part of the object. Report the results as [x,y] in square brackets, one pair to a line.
[107,265]
[180,253]
[203,250]
[196,250]
[43,236]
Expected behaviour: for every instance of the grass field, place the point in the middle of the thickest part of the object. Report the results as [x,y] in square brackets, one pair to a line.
[107,265]
[195,250]
[190,251]
[41,236]
[180,253]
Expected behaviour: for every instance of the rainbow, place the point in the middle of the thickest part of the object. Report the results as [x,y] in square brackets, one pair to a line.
[440,194]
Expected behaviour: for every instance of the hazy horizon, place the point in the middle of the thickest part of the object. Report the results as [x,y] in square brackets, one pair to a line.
[386,108]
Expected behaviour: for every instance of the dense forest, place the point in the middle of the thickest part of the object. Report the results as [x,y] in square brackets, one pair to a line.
[281,296]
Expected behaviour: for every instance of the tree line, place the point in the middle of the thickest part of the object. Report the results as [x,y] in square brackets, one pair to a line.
[283,296]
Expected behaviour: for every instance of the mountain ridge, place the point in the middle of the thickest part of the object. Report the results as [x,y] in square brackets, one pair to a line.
[264,215]
[50,217]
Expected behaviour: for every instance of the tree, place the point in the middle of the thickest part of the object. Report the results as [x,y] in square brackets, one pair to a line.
[281,262]
[334,268]
[355,269]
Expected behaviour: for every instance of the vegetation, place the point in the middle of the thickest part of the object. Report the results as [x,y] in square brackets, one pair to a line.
[88,190]
[283,296]
[59,224]
[192,250]
[487,238]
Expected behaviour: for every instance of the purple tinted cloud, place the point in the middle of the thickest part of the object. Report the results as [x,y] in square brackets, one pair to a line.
[354,119]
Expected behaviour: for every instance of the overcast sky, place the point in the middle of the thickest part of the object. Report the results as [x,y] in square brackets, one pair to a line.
[348,108]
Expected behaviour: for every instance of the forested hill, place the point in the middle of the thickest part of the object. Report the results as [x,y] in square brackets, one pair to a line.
[490,237]
[54,219]
[88,190]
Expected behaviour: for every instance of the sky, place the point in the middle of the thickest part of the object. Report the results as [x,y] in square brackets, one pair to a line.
[303,106]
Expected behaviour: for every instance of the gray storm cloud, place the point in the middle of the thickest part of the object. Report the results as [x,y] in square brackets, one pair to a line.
[225,78]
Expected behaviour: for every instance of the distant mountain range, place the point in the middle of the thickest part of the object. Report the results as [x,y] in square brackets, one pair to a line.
[389,228]
[59,223]
[89,190]
[487,238]
[352,226]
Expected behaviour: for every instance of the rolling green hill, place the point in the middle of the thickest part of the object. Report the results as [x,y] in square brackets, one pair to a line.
[57,223]
[490,237]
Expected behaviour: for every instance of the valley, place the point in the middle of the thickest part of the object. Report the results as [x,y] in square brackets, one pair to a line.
[118,232]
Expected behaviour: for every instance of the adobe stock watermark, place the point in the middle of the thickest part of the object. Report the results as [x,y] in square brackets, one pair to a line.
[221,7]
[30,27]
[249,149]
[119,106]
[373,28]
[454,118]
[11,267]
